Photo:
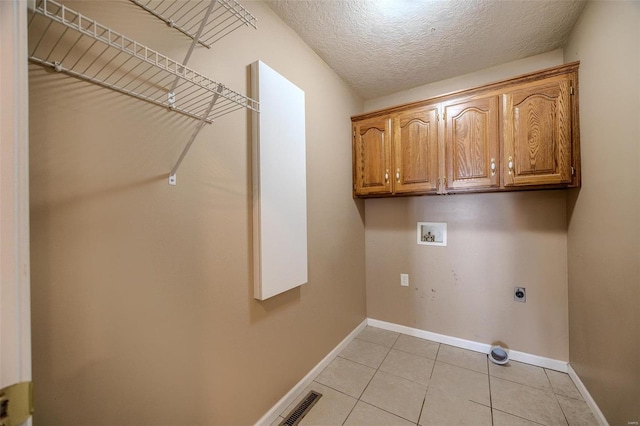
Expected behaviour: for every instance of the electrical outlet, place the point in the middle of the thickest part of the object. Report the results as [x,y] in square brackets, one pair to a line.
[404,280]
[520,294]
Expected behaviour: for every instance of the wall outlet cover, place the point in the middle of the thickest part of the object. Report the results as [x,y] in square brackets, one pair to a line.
[404,280]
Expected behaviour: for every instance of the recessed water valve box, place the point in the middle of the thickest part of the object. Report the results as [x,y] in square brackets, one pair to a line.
[432,233]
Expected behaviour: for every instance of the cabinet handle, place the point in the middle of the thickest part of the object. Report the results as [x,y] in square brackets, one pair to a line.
[398,175]
[510,165]
[493,167]
[386,176]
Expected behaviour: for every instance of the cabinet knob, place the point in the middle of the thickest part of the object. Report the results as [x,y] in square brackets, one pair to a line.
[398,175]
[510,165]
[386,176]
[493,167]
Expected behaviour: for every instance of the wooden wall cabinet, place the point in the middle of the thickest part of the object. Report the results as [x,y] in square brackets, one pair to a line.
[415,149]
[372,156]
[517,134]
[537,132]
[405,163]
[472,143]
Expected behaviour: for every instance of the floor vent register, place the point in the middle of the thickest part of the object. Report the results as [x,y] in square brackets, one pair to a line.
[302,409]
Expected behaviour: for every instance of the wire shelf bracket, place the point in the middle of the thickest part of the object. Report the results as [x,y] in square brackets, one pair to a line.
[171,94]
[71,43]
[172,174]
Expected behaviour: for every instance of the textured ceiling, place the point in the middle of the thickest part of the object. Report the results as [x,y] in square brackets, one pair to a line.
[381,47]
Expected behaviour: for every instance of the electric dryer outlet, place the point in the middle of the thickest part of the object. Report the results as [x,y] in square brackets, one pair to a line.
[520,294]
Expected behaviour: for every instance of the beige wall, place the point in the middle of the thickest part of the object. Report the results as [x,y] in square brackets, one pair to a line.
[143,309]
[496,242]
[467,81]
[604,273]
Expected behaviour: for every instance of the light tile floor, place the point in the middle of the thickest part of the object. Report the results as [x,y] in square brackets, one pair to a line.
[387,378]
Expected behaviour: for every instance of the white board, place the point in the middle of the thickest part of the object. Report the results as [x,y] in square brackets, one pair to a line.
[279,184]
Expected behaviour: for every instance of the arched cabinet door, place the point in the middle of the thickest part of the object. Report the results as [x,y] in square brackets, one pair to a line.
[537,133]
[415,150]
[472,143]
[372,156]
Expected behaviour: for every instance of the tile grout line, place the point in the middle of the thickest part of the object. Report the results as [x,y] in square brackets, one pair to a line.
[350,411]
[406,378]
[505,412]
[556,397]
[569,397]
[374,374]
[424,400]
[393,348]
[490,395]
[415,354]
[433,367]
[534,388]
[358,399]
[459,366]
[529,386]
[520,417]
[355,362]
[563,395]
[387,411]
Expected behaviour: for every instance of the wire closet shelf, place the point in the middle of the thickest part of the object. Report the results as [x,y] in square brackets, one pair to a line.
[185,16]
[69,42]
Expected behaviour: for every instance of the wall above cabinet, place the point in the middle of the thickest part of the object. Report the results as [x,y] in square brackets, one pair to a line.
[516,134]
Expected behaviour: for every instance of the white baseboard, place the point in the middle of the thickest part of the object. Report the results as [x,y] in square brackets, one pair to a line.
[286,400]
[587,397]
[540,361]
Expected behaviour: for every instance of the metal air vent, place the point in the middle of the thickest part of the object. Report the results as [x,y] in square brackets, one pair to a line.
[301,410]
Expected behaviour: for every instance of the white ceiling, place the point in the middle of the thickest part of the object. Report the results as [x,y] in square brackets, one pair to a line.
[381,47]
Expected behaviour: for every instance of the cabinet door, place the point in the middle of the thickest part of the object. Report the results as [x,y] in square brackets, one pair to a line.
[537,133]
[472,144]
[372,156]
[415,150]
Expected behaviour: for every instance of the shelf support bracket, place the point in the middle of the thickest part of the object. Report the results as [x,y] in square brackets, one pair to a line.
[203,120]
[194,42]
